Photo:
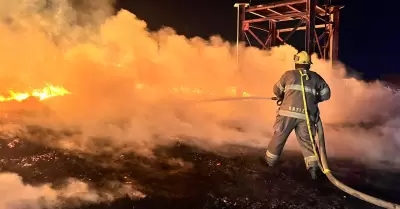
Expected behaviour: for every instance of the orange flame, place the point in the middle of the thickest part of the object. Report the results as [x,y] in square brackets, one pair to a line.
[53,91]
[40,94]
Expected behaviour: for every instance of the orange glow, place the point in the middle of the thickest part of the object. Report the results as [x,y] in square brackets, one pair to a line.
[40,94]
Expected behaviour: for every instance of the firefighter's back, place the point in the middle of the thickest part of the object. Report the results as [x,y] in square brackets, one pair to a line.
[292,105]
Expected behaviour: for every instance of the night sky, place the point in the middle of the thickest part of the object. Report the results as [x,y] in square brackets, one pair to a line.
[367,42]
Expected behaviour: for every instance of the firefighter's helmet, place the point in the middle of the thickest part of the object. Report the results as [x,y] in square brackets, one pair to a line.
[302,58]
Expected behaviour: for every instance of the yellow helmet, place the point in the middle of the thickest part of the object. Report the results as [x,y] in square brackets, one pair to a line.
[302,58]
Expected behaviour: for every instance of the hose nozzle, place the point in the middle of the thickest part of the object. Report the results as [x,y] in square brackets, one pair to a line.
[278,100]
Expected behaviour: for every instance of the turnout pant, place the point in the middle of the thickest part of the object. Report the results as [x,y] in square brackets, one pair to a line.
[282,128]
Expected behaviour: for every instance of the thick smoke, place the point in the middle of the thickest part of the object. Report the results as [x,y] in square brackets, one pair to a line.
[134,88]
[16,194]
[129,84]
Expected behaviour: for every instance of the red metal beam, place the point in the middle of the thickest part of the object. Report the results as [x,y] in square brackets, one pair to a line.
[322,35]
[310,46]
[320,10]
[278,17]
[328,45]
[318,44]
[334,32]
[308,11]
[292,8]
[278,13]
[259,28]
[285,30]
[274,33]
[279,37]
[294,30]
[273,5]
[273,11]
[267,41]
[255,36]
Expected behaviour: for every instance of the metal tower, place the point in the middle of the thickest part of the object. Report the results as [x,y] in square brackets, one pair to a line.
[279,20]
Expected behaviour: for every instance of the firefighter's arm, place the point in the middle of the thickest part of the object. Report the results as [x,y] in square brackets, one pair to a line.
[323,90]
[279,87]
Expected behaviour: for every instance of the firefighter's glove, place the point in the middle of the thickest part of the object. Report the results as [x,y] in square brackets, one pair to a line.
[279,101]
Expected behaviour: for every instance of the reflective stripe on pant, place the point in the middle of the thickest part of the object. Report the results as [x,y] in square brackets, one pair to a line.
[282,128]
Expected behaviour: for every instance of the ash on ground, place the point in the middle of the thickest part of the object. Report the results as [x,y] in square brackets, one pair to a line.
[186,177]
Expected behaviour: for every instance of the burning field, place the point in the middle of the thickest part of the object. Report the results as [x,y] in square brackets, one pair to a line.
[98,112]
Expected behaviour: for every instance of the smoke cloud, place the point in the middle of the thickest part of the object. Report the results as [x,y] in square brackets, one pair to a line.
[16,194]
[133,88]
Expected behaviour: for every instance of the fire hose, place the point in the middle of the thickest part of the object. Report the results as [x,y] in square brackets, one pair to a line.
[321,155]
[241,98]
[323,162]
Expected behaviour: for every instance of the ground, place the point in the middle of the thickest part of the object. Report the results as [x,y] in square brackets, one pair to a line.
[186,177]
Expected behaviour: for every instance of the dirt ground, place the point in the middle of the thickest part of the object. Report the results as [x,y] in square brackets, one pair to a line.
[186,177]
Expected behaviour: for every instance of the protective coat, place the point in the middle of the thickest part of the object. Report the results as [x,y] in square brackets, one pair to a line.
[289,88]
[291,113]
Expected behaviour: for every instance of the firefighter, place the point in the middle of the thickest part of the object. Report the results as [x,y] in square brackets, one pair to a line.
[291,112]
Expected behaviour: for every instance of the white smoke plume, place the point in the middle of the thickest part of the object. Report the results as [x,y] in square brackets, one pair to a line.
[133,87]
[16,194]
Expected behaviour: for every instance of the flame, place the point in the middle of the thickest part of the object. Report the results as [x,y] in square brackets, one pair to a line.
[40,94]
[53,91]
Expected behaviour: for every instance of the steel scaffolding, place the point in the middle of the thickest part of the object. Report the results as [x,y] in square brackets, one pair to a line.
[320,23]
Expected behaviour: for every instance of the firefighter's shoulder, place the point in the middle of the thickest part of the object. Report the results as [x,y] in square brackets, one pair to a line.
[290,72]
[316,75]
